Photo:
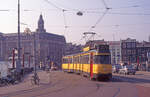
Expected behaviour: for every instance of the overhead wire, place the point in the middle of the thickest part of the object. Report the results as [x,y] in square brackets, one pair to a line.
[102,16]
[75,9]
[64,16]
[4,10]
[117,13]
[65,22]
[103,1]
[99,20]
[53,4]
[95,11]
[125,7]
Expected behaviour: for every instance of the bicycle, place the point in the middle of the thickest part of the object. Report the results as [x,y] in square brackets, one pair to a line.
[3,82]
[35,79]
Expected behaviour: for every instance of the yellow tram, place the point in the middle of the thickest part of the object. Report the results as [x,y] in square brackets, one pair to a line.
[92,62]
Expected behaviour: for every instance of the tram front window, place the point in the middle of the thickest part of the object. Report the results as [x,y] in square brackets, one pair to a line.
[102,59]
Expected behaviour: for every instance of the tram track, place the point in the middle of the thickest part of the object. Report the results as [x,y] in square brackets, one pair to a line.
[93,91]
[70,85]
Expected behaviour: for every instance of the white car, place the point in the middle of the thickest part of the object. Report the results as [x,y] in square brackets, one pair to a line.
[115,68]
[127,69]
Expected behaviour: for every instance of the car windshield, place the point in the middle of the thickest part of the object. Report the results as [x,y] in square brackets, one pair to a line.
[118,66]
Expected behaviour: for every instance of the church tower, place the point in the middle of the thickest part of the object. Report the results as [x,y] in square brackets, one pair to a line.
[40,25]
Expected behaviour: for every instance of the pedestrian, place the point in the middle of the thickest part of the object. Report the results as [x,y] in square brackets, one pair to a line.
[40,65]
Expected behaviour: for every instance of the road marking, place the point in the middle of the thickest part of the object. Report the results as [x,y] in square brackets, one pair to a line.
[118,91]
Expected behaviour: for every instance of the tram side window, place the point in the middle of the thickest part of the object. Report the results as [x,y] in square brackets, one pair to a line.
[78,59]
[102,59]
[81,59]
[70,60]
[65,60]
[75,60]
[85,59]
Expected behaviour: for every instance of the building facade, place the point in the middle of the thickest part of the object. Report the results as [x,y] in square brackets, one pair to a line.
[143,49]
[128,51]
[1,47]
[72,49]
[115,50]
[46,46]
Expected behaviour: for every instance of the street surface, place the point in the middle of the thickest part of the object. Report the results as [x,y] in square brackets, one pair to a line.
[60,84]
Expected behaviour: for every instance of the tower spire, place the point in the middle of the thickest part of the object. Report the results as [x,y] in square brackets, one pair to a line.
[41,24]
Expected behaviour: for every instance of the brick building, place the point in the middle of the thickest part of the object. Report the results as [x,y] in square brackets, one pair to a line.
[128,51]
[49,47]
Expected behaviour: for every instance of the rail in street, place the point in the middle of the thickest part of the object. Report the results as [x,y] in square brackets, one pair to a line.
[60,84]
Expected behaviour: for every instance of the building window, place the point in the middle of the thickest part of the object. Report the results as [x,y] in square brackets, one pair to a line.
[124,45]
[133,45]
[128,45]
[129,52]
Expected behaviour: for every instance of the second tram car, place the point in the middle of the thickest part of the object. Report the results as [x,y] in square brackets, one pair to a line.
[93,63]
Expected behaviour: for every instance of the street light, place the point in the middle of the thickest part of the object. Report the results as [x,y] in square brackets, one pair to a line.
[79,13]
[19,60]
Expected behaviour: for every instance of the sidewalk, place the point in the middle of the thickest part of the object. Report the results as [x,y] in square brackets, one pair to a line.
[143,72]
[25,85]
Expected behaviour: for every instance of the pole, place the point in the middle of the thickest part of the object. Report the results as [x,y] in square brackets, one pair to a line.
[19,60]
[23,60]
[34,54]
[35,73]
[29,61]
[13,59]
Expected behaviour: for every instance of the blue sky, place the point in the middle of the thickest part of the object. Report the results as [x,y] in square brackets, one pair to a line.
[126,18]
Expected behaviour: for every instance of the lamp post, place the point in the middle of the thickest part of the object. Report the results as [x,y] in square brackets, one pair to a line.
[19,60]
[34,54]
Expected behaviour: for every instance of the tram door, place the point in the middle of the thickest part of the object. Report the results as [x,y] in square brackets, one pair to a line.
[91,65]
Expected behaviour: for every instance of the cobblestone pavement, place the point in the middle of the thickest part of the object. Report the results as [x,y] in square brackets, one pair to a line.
[60,84]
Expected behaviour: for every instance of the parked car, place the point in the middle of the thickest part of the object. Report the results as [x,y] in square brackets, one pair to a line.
[115,68]
[127,69]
